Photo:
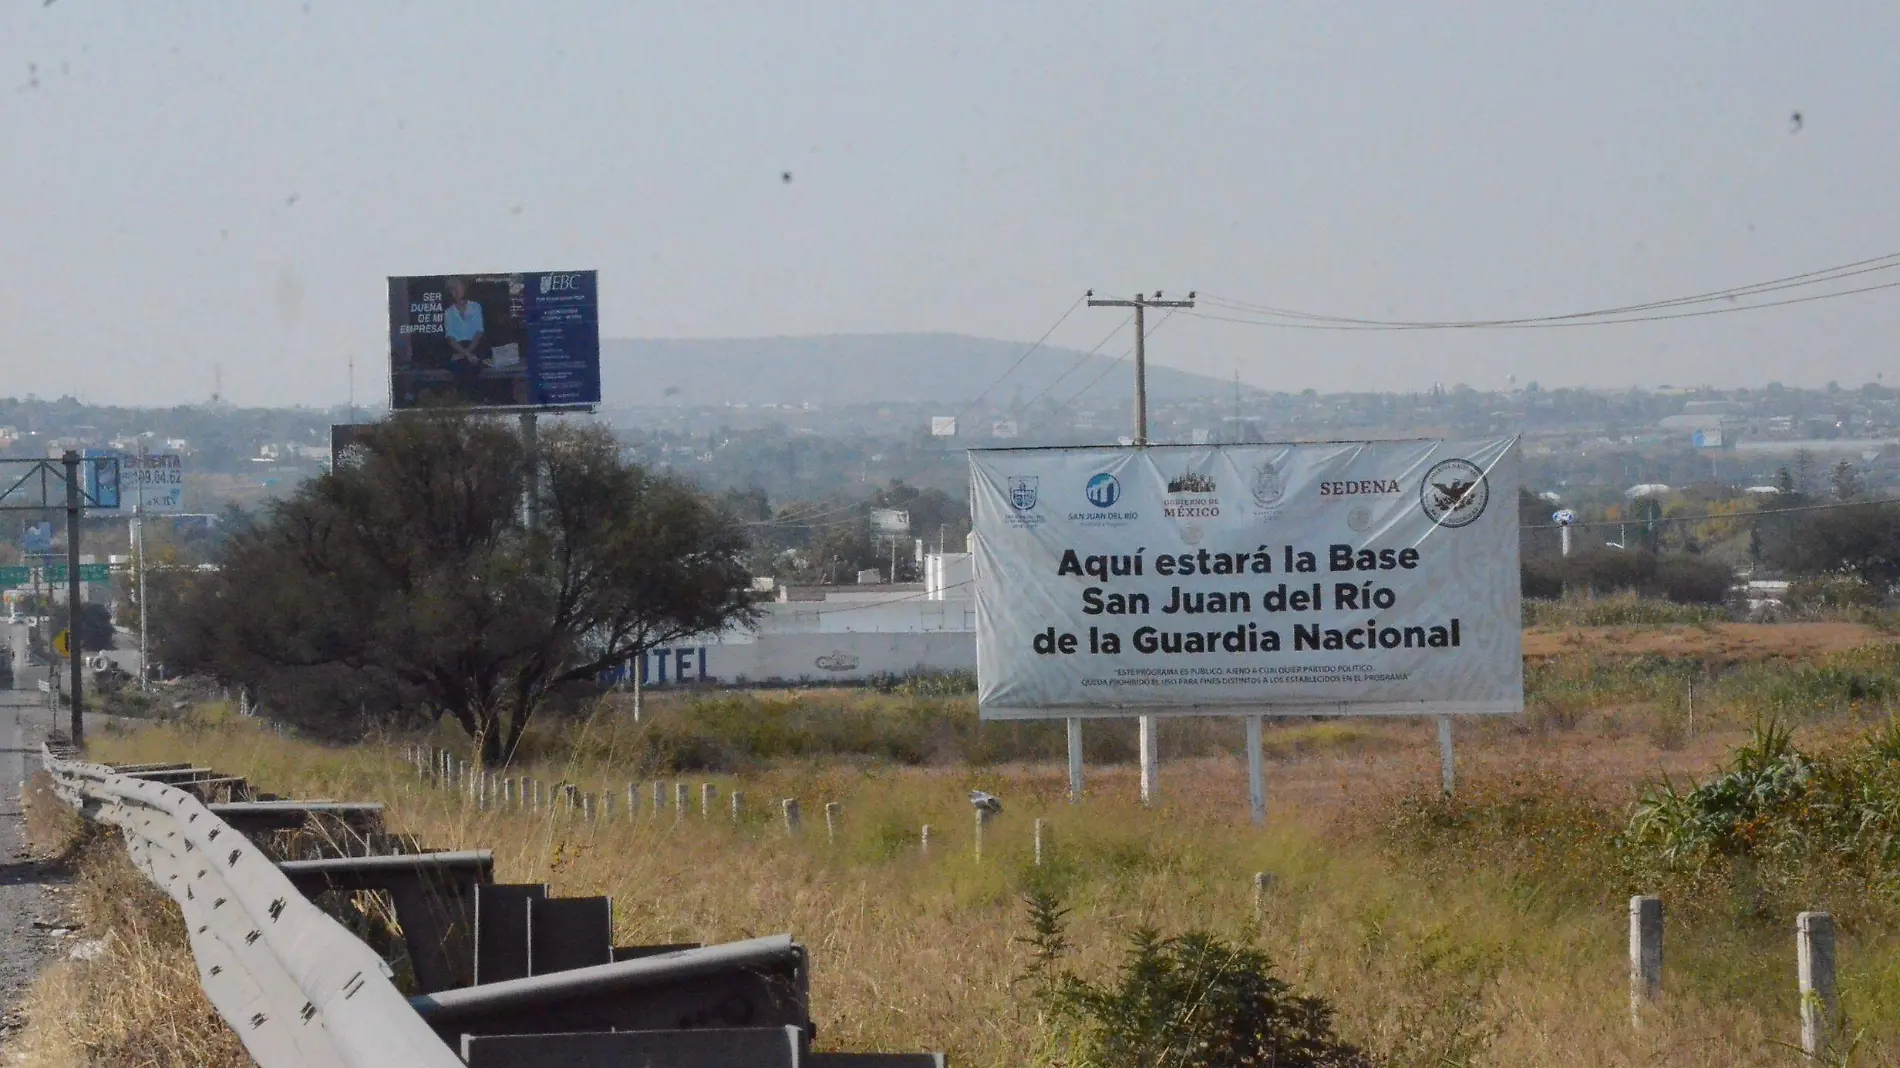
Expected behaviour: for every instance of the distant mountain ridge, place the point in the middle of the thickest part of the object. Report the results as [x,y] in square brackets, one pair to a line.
[872,369]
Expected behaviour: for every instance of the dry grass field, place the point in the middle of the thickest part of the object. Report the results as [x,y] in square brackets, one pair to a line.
[1488,929]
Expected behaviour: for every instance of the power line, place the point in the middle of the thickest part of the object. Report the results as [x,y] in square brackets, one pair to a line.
[1714,516]
[1019,360]
[1077,365]
[1117,361]
[1597,317]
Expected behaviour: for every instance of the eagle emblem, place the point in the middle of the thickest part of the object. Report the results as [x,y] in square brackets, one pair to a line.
[1454,493]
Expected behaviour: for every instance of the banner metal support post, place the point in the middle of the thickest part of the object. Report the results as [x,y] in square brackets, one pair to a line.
[1256,771]
[1444,753]
[1075,760]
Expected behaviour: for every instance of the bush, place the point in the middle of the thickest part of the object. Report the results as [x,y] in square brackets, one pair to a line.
[1194,1000]
[1681,578]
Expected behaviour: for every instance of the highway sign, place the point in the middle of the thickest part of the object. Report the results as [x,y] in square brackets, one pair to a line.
[19,575]
[63,643]
[56,573]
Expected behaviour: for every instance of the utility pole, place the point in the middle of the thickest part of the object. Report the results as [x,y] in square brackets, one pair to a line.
[74,647]
[531,442]
[138,561]
[1150,751]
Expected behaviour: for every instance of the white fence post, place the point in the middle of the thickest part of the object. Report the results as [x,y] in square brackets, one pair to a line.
[738,805]
[831,822]
[707,792]
[1820,1006]
[1036,830]
[659,799]
[923,840]
[682,800]
[1646,955]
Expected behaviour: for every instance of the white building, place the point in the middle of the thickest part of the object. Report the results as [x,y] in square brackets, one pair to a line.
[819,635]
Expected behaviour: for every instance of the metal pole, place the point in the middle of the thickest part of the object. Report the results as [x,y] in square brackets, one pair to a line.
[1444,752]
[1256,771]
[531,445]
[1150,760]
[1141,373]
[74,647]
[1075,761]
[138,560]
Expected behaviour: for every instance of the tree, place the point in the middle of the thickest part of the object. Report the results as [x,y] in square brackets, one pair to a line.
[1845,480]
[410,583]
[1863,540]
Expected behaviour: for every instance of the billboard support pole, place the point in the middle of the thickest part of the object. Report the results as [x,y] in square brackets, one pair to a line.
[74,647]
[1075,760]
[1150,758]
[1444,753]
[531,444]
[1256,771]
[138,560]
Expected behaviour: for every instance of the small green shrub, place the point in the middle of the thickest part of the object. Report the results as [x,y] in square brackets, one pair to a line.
[1193,1000]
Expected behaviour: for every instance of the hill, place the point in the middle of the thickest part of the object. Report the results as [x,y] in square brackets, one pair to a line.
[867,369]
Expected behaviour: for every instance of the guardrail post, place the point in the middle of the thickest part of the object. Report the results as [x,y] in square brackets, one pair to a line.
[832,809]
[1814,956]
[923,840]
[606,806]
[790,807]
[707,791]
[633,800]
[738,806]
[659,799]
[682,800]
[1646,955]
[1036,831]
[587,807]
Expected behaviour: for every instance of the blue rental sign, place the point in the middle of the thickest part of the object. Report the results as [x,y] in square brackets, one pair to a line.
[495,340]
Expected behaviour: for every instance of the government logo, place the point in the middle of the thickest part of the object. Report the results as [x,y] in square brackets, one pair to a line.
[1454,493]
[1022,492]
[1103,490]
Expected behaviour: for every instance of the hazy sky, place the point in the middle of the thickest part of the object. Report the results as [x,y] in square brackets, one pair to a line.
[188,184]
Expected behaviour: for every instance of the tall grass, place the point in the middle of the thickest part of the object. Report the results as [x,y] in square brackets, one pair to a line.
[1488,930]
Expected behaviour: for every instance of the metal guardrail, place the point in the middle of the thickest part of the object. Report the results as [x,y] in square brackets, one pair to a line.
[301,991]
[298,988]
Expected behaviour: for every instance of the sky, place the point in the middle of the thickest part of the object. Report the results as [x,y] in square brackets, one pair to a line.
[203,192]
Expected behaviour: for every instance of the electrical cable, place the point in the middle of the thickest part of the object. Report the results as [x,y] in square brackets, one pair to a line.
[1710,518]
[1118,360]
[1808,278]
[1019,360]
[1084,358]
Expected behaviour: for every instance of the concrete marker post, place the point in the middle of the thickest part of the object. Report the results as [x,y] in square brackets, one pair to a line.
[587,807]
[790,808]
[983,816]
[633,800]
[1036,831]
[923,841]
[1262,884]
[738,806]
[707,793]
[832,809]
[659,799]
[1646,955]
[682,800]
[1820,1002]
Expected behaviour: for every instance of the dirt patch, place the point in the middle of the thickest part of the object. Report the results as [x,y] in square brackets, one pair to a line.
[1724,642]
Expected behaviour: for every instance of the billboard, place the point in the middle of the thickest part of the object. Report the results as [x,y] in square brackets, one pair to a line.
[100,477]
[37,538]
[1339,578]
[1708,438]
[346,443]
[494,340]
[890,522]
[943,426]
[158,482]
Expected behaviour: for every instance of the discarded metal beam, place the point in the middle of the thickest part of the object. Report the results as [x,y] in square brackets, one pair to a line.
[434,898]
[761,982]
[713,1047]
[263,817]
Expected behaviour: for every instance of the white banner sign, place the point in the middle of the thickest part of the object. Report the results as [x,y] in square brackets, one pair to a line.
[1336,578]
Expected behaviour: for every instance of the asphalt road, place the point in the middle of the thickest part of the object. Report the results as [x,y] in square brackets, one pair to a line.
[23,882]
